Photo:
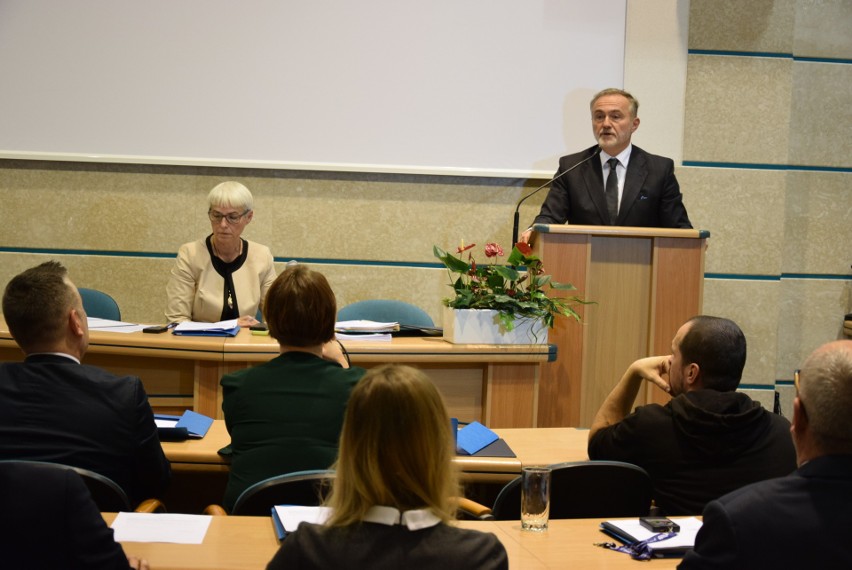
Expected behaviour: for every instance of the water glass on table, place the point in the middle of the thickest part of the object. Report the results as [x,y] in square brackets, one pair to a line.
[535,498]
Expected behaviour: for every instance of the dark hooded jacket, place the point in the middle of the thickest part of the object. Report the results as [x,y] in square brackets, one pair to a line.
[700,446]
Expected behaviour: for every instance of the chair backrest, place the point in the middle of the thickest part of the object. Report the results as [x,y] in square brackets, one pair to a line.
[99,304]
[386,311]
[586,489]
[106,493]
[304,488]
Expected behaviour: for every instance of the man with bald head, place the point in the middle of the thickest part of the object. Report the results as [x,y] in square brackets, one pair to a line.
[802,520]
[55,409]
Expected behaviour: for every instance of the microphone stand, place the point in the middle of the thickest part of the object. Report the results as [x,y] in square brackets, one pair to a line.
[549,182]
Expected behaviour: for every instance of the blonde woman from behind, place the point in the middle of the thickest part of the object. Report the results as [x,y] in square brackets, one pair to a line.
[392,501]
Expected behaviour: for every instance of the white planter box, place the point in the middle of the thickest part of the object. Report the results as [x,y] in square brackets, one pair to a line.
[480,326]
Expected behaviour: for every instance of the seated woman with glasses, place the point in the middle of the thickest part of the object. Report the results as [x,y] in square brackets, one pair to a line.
[391,499]
[222,276]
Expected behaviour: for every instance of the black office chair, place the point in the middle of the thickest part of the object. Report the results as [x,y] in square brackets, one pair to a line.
[586,489]
[106,493]
[305,488]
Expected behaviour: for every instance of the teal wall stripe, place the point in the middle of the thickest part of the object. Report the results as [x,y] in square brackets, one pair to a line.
[381,263]
[813,276]
[160,255]
[755,166]
[769,54]
[739,53]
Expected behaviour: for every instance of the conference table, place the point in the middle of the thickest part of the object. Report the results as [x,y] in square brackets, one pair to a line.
[237,543]
[532,446]
[199,473]
[497,385]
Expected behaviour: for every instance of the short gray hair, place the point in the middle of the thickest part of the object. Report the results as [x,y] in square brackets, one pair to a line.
[633,101]
[825,391]
[231,194]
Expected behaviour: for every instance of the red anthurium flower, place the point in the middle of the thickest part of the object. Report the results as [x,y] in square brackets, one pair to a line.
[493,250]
[524,248]
[464,247]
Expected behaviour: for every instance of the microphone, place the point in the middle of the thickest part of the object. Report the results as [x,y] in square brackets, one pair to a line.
[596,152]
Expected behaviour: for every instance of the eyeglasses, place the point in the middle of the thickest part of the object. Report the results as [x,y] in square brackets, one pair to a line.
[796,374]
[232,218]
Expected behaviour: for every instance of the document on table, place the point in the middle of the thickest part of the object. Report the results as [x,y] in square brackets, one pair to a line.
[631,530]
[194,328]
[373,337]
[362,326]
[292,516]
[107,325]
[160,527]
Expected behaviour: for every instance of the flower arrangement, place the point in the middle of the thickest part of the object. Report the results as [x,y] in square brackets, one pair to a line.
[508,289]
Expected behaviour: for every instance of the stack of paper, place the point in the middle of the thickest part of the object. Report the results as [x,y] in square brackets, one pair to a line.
[222,328]
[365,327]
[107,325]
[365,330]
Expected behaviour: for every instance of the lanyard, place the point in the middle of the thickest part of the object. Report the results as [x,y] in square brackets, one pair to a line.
[638,550]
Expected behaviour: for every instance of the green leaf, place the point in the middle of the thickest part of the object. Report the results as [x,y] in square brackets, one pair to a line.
[507,273]
[562,286]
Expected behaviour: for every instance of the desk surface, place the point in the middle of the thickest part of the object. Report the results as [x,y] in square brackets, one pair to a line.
[246,347]
[541,446]
[250,542]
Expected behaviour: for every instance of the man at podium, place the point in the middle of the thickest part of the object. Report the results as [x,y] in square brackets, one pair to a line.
[614,183]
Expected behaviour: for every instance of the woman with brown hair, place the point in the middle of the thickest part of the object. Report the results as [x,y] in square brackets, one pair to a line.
[285,415]
[391,500]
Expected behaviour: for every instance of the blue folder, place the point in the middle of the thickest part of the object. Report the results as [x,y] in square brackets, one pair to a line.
[473,437]
[195,424]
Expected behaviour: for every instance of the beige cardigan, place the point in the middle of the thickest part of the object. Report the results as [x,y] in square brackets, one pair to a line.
[195,290]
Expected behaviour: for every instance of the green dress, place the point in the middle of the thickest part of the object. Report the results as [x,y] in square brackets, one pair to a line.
[284,416]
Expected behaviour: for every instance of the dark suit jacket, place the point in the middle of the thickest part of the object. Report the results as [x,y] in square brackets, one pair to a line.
[53,409]
[381,547]
[651,196]
[49,521]
[799,521]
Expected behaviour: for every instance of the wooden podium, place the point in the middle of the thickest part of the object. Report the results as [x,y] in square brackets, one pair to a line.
[645,283]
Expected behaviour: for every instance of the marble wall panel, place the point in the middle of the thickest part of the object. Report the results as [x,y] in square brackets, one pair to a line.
[744,212]
[818,223]
[753,305]
[297,214]
[821,115]
[766,397]
[822,29]
[737,109]
[734,25]
[811,314]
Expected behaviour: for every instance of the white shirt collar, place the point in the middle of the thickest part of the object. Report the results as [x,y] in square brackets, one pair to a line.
[414,520]
[74,358]
[623,156]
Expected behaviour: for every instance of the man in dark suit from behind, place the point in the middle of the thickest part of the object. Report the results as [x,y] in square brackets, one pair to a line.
[802,520]
[55,409]
[50,521]
[648,192]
